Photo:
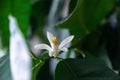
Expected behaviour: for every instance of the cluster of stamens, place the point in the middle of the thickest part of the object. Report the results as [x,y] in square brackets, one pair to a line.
[55,41]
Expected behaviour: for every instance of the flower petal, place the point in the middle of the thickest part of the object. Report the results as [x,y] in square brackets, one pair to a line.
[51,53]
[64,49]
[43,46]
[50,37]
[65,41]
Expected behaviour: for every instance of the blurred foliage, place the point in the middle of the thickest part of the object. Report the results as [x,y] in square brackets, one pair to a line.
[86,16]
[83,69]
[37,64]
[4,26]
[5,68]
[21,10]
[39,13]
[89,20]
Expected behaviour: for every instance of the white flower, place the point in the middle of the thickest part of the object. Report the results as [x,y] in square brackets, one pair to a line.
[55,48]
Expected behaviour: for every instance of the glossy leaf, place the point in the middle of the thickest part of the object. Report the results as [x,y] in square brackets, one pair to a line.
[20,60]
[44,56]
[37,64]
[86,16]
[83,69]
[5,72]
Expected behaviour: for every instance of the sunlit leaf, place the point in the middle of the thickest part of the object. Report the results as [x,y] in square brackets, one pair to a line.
[20,60]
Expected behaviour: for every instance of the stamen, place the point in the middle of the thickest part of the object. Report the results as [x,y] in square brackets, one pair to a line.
[55,41]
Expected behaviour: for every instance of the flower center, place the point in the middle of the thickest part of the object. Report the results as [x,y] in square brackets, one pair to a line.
[55,41]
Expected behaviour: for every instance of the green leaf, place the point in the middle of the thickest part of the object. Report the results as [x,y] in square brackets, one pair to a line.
[5,73]
[83,69]
[37,64]
[39,12]
[72,5]
[4,26]
[91,42]
[21,10]
[44,56]
[86,16]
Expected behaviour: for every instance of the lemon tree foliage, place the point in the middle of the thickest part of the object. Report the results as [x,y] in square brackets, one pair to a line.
[93,46]
[4,23]
[87,16]
[83,69]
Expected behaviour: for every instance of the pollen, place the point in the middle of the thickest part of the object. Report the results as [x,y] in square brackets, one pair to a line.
[55,41]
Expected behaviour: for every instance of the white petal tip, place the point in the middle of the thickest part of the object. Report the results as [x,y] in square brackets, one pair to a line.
[64,49]
[35,46]
[48,33]
[72,36]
